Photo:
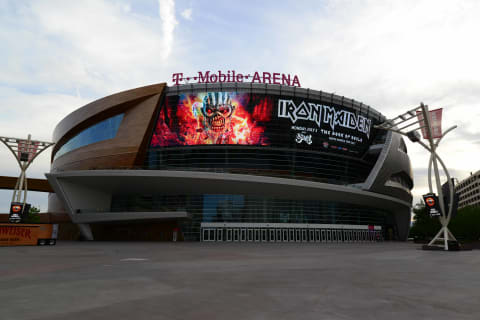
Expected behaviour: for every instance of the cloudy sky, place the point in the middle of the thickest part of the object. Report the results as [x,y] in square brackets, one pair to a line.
[59,55]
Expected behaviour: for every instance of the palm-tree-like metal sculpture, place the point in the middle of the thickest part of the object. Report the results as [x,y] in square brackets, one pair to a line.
[25,151]
[408,124]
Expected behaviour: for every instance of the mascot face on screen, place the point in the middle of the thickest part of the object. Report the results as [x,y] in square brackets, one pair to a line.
[217,109]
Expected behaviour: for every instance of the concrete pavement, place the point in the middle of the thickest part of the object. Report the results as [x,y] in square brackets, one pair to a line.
[146,280]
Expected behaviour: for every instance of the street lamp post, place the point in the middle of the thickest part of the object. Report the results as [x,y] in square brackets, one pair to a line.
[24,151]
[408,124]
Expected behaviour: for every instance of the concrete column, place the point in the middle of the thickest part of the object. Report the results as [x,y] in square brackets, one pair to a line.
[86,231]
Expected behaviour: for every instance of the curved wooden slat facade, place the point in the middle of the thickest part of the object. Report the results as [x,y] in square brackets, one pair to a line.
[127,148]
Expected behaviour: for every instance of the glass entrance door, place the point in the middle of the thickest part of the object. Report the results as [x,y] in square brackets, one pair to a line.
[264,233]
[297,235]
[243,235]
[257,235]
[208,235]
[250,235]
[291,233]
[272,235]
[304,235]
[219,235]
[339,236]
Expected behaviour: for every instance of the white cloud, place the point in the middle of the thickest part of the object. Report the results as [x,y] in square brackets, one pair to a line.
[187,14]
[167,15]
[23,113]
[61,50]
[127,8]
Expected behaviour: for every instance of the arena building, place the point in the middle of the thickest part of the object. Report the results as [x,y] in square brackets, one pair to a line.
[231,162]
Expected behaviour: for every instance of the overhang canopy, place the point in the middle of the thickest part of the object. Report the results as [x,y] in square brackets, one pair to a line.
[94,188]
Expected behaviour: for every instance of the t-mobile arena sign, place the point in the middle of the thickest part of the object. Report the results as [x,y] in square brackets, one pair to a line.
[233,76]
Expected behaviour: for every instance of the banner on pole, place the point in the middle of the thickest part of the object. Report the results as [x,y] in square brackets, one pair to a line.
[16,212]
[431,202]
[27,149]
[435,123]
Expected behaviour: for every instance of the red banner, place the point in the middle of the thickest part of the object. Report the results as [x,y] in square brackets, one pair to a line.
[28,148]
[435,119]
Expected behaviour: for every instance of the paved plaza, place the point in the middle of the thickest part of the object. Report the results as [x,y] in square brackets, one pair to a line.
[146,280]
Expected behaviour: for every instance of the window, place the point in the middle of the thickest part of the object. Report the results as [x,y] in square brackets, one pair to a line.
[268,162]
[107,129]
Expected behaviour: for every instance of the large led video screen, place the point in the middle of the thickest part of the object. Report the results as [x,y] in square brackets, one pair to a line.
[239,118]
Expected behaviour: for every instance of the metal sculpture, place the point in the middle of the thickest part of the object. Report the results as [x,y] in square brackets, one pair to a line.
[25,151]
[408,124]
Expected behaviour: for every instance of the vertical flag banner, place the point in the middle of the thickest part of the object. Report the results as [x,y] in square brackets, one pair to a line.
[27,149]
[435,123]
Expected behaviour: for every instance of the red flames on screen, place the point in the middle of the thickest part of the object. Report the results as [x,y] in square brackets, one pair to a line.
[189,126]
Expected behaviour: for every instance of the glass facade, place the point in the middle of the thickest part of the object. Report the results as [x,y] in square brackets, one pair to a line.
[276,162]
[107,129]
[249,209]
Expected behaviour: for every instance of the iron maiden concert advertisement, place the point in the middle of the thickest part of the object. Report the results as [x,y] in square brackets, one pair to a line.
[236,118]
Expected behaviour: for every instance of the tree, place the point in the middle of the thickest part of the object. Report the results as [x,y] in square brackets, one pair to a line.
[424,226]
[32,215]
[34,210]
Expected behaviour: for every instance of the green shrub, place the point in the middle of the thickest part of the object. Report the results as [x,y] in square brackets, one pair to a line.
[32,215]
[424,226]
[464,226]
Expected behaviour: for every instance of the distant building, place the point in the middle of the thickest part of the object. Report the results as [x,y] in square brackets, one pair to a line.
[469,191]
